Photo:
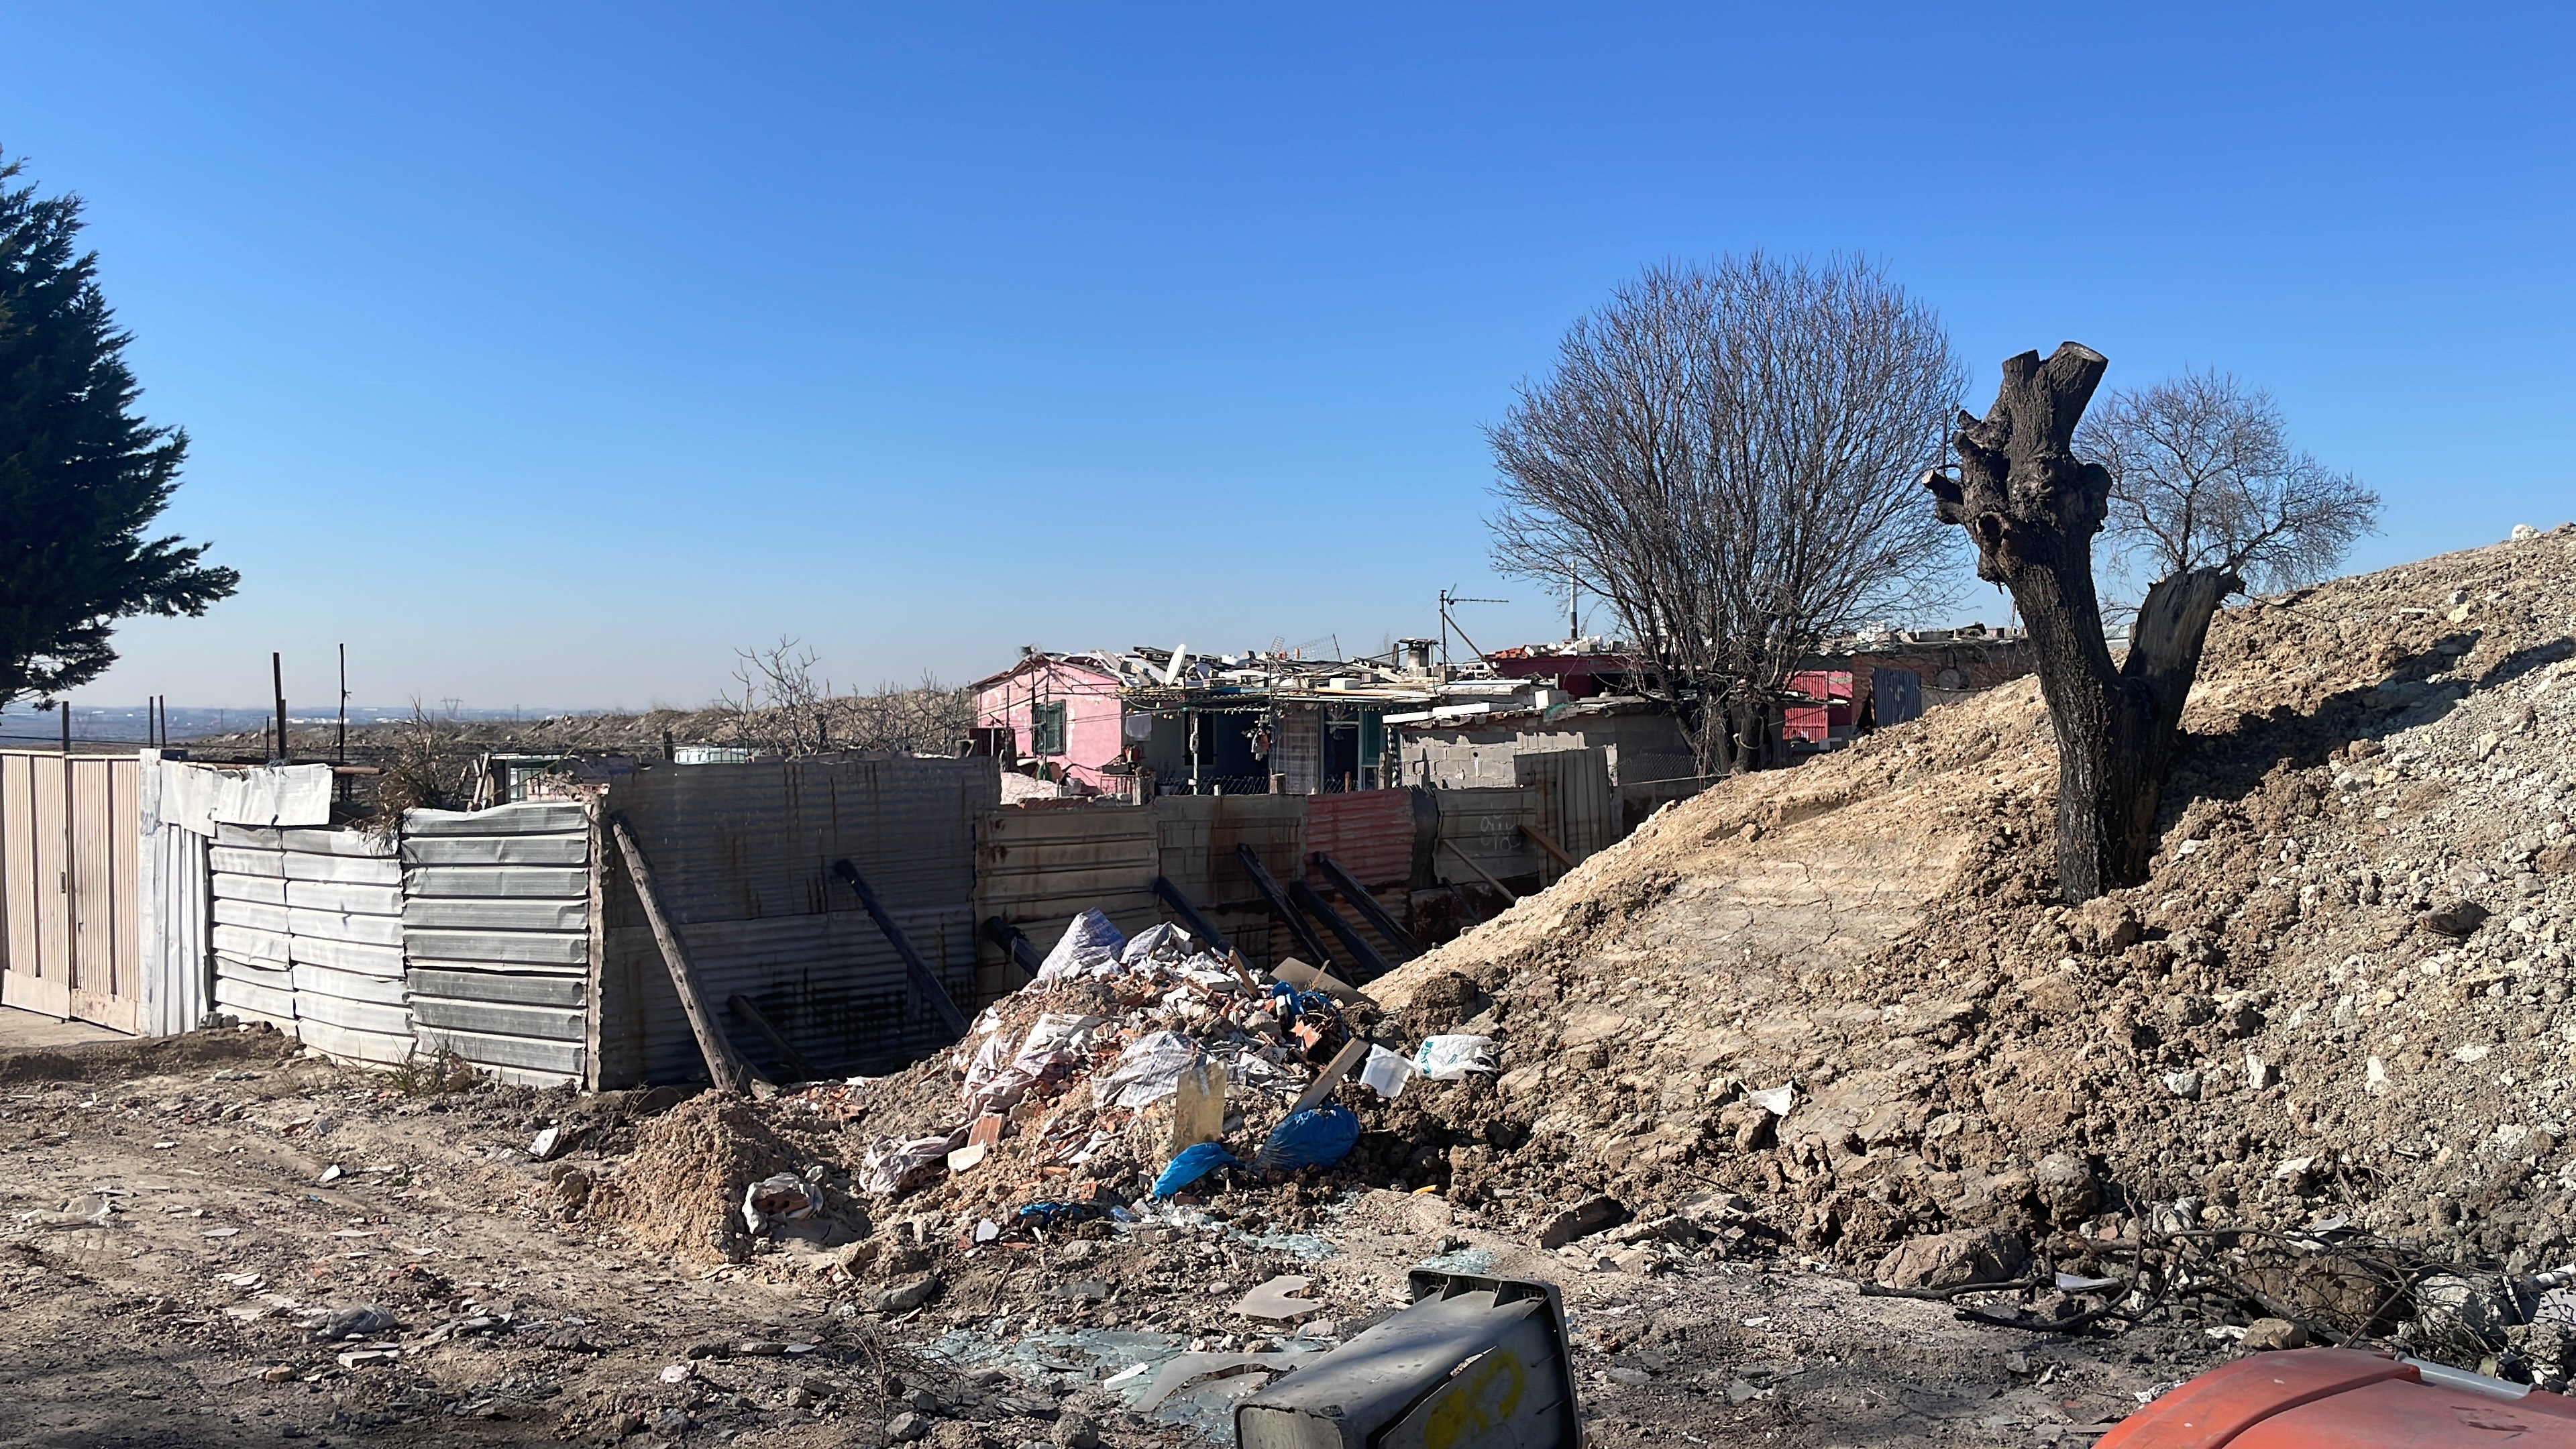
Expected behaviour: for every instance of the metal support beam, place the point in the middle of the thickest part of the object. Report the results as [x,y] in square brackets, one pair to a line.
[1269,888]
[1200,927]
[788,1057]
[922,981]
[1372,965]
[1406,948]
[1022,950]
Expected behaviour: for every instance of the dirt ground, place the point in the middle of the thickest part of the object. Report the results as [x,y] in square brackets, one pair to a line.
[171,1237]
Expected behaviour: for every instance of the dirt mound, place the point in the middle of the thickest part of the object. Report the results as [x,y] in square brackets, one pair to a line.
[681,1191]
[2343,993]
[110,1061]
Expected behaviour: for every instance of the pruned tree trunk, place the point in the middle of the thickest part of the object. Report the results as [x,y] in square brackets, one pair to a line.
[2032,508]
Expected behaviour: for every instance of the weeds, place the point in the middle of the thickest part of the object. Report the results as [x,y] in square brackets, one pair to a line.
[434,1071]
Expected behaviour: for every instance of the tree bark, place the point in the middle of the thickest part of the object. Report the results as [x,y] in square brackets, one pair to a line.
[2032,508]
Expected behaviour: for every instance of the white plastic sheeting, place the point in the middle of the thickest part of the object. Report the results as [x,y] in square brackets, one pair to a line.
[170,908]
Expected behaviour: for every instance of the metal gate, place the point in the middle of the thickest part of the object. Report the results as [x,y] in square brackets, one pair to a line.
[68,845]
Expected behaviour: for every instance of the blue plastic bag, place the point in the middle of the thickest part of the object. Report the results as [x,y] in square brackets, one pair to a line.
[1316,1137]
[1192,1163]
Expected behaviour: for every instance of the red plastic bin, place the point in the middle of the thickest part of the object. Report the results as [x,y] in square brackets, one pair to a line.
[2338,1398]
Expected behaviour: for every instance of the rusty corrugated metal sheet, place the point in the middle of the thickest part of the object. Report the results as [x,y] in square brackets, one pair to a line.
[1370,832]
[1577,806]
[743,854]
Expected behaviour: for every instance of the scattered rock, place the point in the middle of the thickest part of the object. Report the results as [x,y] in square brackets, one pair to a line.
[905,1427]
[2066,1186]
[1581,1220]
[905,1296]
[2458,919]
[1073,1431]
[1951,1260]
[2267,1335]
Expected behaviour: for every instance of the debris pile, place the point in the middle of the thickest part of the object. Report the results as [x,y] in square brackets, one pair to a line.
[1129,1071]
[1846,995]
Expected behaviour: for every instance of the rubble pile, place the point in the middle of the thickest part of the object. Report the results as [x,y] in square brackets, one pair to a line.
[1133,1071]
[1844,995]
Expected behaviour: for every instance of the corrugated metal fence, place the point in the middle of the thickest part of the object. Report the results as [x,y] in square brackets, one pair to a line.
[308,935]
[496,936]
[744,855]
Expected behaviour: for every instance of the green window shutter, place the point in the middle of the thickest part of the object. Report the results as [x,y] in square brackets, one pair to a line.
[1046,729]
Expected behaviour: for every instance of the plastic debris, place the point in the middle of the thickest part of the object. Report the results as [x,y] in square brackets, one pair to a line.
[1146,1072]
[1089,947]
[1276,1301]
[1386,1072]
[1451,1058]
[891,1167]
[1777,1101]
[776,1200]
[1317,1137]
[1195,1163]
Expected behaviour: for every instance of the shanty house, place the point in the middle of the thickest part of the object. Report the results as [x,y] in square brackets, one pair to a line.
[1063,711]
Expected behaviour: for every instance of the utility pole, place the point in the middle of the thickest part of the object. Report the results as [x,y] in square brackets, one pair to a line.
[277,681]
[340,751]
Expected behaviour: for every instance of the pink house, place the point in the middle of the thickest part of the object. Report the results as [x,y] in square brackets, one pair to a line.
[1062,710]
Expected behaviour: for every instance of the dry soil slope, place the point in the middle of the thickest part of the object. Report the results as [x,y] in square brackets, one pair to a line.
[2271,1027]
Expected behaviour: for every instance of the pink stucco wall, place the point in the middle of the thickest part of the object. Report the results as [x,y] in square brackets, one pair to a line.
[1093,718]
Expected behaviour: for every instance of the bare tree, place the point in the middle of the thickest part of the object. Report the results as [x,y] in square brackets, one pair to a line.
[1725,454]
[783,708]
[2032,508]
[2203,476]
[925,718]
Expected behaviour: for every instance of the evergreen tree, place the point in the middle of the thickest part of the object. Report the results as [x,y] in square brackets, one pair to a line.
[81,476]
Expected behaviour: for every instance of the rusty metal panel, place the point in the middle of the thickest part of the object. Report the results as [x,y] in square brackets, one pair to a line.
[743,854]
[1039,868]
[1484,825]
[1577,806]
[1370,832]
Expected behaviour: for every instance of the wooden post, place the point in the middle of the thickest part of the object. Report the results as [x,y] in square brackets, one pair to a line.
[723,1066]
[1546,842]
[1480,870]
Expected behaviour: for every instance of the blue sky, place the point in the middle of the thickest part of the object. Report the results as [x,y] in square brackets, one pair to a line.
[545,354]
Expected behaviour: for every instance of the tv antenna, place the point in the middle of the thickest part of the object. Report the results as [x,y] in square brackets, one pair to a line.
[1448,597]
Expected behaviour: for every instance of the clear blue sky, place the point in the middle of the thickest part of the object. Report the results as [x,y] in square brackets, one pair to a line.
[545,353]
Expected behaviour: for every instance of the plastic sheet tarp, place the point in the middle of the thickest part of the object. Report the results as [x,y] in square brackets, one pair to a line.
[1090,947]
[1147,1072]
